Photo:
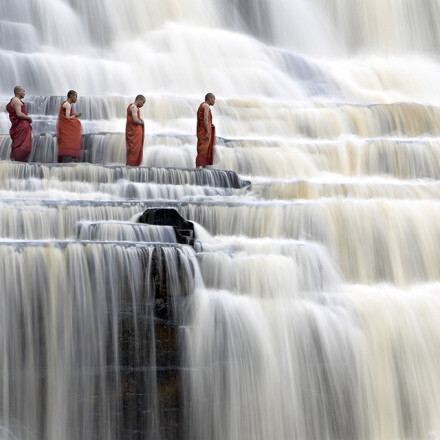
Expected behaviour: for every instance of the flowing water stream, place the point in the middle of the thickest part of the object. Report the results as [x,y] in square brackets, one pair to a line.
[310,307]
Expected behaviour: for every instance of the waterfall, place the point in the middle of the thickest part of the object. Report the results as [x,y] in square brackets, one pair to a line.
[309,307]
[64,323]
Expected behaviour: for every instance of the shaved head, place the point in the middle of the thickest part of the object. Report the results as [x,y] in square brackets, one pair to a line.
[18,89]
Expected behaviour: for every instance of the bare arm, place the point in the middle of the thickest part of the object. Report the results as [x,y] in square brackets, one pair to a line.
[206,121]
[69,114]
[16,105]
[136,120]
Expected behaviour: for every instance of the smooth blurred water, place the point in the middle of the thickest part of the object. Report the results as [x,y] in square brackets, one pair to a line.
[317,315]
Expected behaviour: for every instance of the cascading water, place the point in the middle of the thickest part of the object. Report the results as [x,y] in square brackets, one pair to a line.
[310,310]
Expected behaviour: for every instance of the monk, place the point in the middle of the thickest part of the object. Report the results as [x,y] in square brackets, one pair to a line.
[205,133]
[134,132]
[69,130]
[21,130]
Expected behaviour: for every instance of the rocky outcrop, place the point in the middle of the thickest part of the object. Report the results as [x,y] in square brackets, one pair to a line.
[170,217]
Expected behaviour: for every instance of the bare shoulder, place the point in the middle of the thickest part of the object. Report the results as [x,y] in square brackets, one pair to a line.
[16,105]
[66,104]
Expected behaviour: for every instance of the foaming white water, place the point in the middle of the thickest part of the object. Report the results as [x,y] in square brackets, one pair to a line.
[284,358]
[109,36]
[400,157]
[294,24]
[386,80]
[267,369]
[400,330]
[398,237]
[352,188]
[317,101]
[266,268]
[390,26]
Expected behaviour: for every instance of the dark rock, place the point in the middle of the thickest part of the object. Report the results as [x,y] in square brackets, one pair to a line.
[184,229]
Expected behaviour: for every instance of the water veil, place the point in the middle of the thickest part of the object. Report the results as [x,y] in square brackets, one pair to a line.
[308,306]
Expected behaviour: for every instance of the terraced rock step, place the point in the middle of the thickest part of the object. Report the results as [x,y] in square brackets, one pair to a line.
[86,172]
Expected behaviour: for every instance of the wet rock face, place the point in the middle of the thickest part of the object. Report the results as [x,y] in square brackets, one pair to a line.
[150,365]
[170,217]
[150,378]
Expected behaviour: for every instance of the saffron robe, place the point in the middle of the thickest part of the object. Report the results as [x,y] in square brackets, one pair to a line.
[205,149]
[21,134]
[68,134]
[134,139]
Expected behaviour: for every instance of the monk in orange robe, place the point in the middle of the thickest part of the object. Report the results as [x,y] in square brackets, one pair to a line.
[69,130]
[205,133]
[134,132]
[21,130]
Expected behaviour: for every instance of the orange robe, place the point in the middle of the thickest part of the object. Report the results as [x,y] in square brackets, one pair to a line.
[21,134]
[134,139]
[205,149]
[68,135]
